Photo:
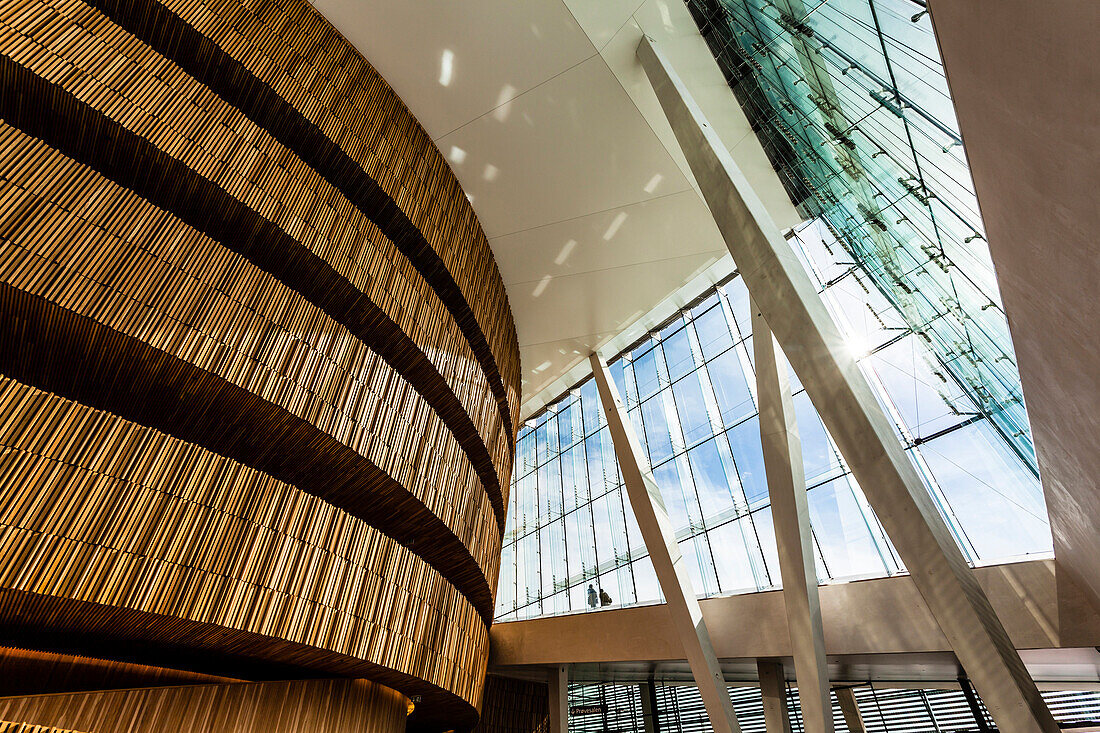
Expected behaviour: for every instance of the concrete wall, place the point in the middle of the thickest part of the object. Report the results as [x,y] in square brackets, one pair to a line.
[1024,77]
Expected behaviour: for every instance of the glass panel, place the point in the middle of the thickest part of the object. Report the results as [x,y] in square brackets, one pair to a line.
[819,458]
[552,558]
[997,500]
[692,410]
[744,439]
[842,532]
[656,430]
[712,482]
[645,580]
[714,332]
[678,354]
[731,389]
[645,372]
[737,558]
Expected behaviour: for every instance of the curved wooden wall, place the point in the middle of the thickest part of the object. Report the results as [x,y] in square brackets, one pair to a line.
[259,375]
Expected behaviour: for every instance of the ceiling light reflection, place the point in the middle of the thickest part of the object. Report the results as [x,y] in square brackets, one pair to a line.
[541,286]
[565,252]
[446,67]
[666,17]
[504,102]
[615,224]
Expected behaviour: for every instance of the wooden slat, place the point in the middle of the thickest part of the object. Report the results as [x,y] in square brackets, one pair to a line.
[308,706]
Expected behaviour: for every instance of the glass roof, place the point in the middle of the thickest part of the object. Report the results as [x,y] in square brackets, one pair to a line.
[851,103]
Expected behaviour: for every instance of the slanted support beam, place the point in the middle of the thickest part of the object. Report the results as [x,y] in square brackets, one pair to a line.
[660,540]
[791,519]
[773,693]
[559,699]
[972,703]
[849,708]
[792,308]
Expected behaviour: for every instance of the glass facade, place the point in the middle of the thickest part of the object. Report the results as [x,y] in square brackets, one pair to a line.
[851,103]
[689,389]
[620,708]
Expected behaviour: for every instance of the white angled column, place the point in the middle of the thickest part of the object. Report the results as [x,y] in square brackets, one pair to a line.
[660,540]
[791,518]
[792,308]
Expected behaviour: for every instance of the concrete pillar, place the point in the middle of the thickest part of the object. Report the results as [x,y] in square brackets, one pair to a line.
[773,693]
[660,540]
[816,349]
[846,696]
[559,699]
[791,519]
[650,719]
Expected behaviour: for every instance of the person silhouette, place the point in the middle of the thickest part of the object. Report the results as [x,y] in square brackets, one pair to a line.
[605,599]
[592,598]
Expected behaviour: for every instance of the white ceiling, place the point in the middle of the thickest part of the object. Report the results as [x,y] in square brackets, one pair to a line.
[556,136]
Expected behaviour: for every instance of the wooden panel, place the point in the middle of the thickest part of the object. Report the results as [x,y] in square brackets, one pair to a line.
[7,726]
[514,706]
[48,112]
[29,672]
[307,706]
[91,363]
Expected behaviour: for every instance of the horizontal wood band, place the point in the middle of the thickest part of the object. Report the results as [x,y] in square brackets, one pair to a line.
[207,62]
[48,112]
[11,726]
[58,351]
[299,706]
[34,672]
[23,610]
